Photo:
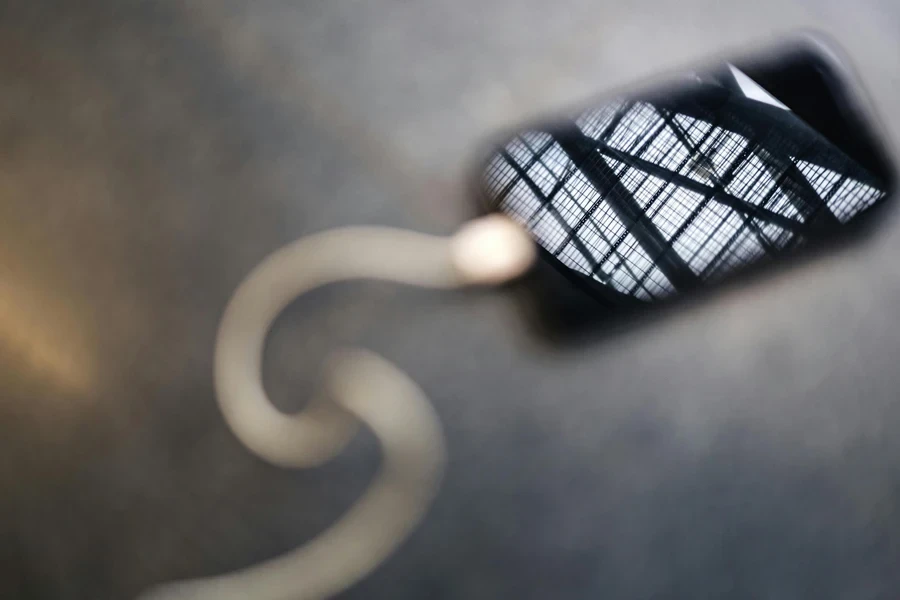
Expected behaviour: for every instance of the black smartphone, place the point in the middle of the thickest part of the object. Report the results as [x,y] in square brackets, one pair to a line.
[667,189]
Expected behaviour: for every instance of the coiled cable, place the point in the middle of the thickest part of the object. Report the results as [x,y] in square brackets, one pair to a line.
[362,388]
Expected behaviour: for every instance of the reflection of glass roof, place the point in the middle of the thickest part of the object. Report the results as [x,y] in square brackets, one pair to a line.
[646,199]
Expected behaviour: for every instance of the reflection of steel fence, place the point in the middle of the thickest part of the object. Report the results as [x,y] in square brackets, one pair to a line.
[649,198]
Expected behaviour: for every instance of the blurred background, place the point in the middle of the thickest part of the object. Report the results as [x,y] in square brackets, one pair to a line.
[152,153]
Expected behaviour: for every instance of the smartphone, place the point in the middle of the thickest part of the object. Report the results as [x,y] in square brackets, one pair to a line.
[652,194]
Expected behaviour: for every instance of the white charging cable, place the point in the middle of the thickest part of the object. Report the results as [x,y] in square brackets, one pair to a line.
[362,388]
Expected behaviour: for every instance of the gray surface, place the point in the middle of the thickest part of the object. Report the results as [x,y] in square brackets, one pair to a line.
[152,153]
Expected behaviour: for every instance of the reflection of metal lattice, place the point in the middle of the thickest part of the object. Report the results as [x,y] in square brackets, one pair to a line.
[649,198]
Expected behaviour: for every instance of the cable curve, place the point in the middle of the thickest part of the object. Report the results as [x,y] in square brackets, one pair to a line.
[362,387]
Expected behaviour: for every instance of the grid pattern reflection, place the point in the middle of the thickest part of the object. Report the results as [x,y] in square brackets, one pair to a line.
[649,199]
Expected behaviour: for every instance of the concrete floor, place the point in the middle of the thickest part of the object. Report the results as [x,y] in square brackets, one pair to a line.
[742,446]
